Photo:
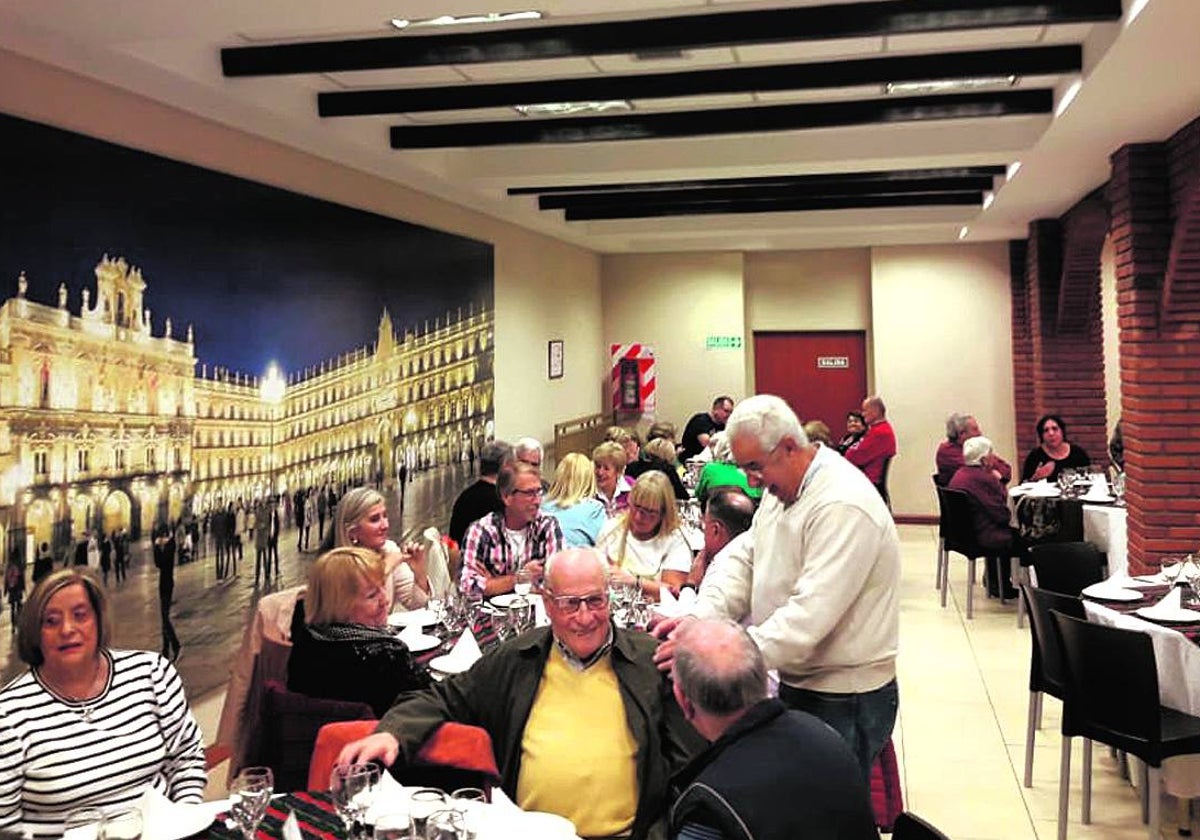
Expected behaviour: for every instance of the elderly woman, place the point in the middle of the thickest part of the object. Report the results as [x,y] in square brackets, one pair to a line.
[644,544]
[1054,453]
[612,487]
[628,438]
[722,472]
[856,427]
[989,509]
[88,726]
[342,647]
[572,501]
[362,521]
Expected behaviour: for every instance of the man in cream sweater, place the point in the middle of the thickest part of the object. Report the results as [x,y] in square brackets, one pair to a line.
[816,581]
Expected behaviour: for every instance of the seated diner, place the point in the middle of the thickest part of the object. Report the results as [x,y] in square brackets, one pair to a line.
[1054,452]
[644,544]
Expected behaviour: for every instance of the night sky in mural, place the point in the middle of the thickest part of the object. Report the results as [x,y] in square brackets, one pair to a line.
[263,274]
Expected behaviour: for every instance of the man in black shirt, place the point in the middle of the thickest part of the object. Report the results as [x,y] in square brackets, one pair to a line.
[702,425]
[481,498]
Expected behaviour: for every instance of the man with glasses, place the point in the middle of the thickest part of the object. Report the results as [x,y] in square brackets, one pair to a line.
[520,536]
[816,581]
[582,723]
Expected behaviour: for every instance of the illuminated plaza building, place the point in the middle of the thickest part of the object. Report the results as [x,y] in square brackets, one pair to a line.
[104,425]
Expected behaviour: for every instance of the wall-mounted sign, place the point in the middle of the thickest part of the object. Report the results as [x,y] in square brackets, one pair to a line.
[833,362]
[723,342]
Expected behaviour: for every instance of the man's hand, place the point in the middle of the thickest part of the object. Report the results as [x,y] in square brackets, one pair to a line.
[664,630]
[380,747]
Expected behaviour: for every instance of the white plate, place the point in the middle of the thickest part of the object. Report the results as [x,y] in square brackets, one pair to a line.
[425,618]
[176,821]
[422,642]
[1105,591]
[1171,614]
[447,665]
[503,601]
[1098,500]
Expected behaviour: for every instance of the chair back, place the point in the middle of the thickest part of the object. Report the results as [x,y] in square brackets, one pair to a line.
[942,527]
[882,486]
[956,520]
[1047,671]
[456,755]
[911,827]
[1112,687]
[331,738]
[1067,567]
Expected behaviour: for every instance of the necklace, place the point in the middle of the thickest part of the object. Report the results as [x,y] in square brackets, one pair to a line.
[86,699]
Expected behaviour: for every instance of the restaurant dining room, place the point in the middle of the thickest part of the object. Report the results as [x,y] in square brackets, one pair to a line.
[281,287]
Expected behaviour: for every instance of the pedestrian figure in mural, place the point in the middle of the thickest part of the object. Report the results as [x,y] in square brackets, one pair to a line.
[14,588]
[310,515]
[164,560]
[298,514]
[272,528]
[93,550]
[81,550]
[106,548]
[322,509]
[262,556]
[43,564]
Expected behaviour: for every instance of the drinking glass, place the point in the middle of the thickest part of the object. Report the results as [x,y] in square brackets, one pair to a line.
[421,803]
[445,824]
[520,616]
[350,788]
[438,607]
[1171,566]
[248,798]
[84,824]
[124,826]
[393,825]
[470,802]
[522,582]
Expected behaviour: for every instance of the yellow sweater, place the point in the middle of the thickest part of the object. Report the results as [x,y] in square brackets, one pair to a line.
[578,757]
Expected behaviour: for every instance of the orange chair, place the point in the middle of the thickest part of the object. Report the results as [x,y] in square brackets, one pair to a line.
[455,755]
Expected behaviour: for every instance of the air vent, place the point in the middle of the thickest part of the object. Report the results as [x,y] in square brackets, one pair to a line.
[667,54]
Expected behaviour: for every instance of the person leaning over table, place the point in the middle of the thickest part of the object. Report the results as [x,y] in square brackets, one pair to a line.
[572,500]
[612,487]
[605,769]
[645,544]
[342,647]
[1054,453]
[88,726]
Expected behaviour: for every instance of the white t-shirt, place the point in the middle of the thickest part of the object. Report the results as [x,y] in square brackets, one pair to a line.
[645,558]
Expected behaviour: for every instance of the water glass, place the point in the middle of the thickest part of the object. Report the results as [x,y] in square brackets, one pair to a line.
[248,798]
[446,824]
[1171,566]
[351,787]
[124,826]
[423,802]
[522,582]
[470,802]
[520,616]
[393,825]
[84,824]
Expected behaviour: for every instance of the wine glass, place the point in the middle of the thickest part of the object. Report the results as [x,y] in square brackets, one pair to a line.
[248,798]
[84,824]
[522,582]
[520,616]
[1171,566]
[124,826]
[350,787]
[470,803]
[423,802]
[446,824]
[393,825]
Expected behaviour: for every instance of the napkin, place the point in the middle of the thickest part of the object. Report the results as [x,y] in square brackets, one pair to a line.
[162,818]
[1171,602]
[291,827]
[667,602]
[466,650]
[412,635]
[687,599]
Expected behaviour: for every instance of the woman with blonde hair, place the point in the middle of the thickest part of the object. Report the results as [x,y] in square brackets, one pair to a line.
[659,454]
[572,500]
[612,487]
[645,545]
[342,647]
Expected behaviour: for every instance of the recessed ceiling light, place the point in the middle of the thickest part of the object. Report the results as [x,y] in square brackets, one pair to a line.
[963,231]
[463,20]
[988,198]
[1013,169]
[1068,97]
[562,109]
[1135,9]
[950,85]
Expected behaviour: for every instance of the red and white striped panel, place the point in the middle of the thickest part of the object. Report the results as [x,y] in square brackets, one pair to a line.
[644,354]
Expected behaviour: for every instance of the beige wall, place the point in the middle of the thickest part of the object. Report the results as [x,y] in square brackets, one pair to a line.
[1112,343]
[531,303]
[673,302]
[943,343]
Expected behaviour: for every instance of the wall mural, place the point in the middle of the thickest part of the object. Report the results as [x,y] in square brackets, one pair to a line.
[175,341]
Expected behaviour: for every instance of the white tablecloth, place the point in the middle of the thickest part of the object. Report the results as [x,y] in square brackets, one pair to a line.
[1177,657]
[1104,525]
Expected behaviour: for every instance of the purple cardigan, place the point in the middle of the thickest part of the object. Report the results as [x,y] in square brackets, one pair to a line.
[989,506]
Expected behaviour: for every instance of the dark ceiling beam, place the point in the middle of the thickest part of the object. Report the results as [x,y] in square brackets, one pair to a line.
[1038,61]
[856,20]
[958,199]
[724,120]
[560,201]
[876,176]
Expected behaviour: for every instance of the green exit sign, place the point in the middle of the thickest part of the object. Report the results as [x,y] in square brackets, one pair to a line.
[723,342]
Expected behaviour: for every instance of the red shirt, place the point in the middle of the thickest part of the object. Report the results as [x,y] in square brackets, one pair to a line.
[878,444]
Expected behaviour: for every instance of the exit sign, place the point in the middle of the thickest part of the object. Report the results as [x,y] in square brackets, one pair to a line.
[833,362]
[723,342]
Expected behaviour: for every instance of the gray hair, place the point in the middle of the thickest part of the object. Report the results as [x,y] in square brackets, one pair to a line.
[956,424]
[718,667]
[527,444]
[722,451]
[581,551]
[494,455]
[975,449]
[768,419]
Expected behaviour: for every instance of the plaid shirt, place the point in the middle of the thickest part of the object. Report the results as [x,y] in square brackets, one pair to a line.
[487,554]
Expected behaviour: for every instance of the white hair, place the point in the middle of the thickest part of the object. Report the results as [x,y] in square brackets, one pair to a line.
[975,449]
[527,444]
[768,419]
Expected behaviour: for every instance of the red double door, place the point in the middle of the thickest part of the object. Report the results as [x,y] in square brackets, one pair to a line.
[822,375]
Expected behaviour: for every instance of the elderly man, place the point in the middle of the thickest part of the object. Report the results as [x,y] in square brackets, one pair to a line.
[949,457]
[528,450]
[816,580]
[701,426]
[977,477]
[481,498]
[877,446]
[582,723]
[521,536]
[770,773]
[727,514]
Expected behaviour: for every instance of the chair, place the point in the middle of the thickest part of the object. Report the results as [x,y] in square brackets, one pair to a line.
[911,827]
[881,485]
[1067,567]
[955,508]
[1046,670]
[1112,697]
[942,557]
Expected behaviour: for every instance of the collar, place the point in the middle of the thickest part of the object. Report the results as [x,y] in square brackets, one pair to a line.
[578,664]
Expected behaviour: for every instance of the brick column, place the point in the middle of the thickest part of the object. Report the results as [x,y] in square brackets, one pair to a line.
[1022,349]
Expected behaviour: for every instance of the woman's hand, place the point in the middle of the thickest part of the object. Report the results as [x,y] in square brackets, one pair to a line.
[414,555]
[1043,471]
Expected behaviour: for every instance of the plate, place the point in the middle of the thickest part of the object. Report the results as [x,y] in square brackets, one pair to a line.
[1105,591]
[422,642]
[503,601]
[1098,500]
[425,618]
[175,821]
[448,665]
[1169,614]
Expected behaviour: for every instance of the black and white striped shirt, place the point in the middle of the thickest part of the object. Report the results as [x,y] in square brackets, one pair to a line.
[59,755]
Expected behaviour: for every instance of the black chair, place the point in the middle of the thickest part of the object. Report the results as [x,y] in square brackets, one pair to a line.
[942,557]
[1068,567]
[1046,671]
[1112,697]
[911,827]
[955,508]
[881,485]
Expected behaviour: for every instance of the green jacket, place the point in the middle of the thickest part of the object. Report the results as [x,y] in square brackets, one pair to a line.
[716,474]
[497,695]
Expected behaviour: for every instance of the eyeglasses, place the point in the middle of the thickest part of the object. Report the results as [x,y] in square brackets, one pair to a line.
[645,511]
[756,467]
[570,604]
[528,494]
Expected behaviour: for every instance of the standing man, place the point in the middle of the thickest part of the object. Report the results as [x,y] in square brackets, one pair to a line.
[877,446]
[700,428]
[770,773]
[164,560]
[522,536]
[816,581]
[298,500]
[949,457]
[121,554]
[480,498]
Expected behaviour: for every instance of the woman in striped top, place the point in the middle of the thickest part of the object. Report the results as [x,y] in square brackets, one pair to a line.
[86,726]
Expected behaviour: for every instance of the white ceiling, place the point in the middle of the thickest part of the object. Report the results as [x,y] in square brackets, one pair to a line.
[1141,82]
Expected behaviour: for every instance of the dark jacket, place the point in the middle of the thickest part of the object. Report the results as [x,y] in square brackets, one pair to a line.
[776,775]
[498,692]
[989,506]
[373,671]
[648,462]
